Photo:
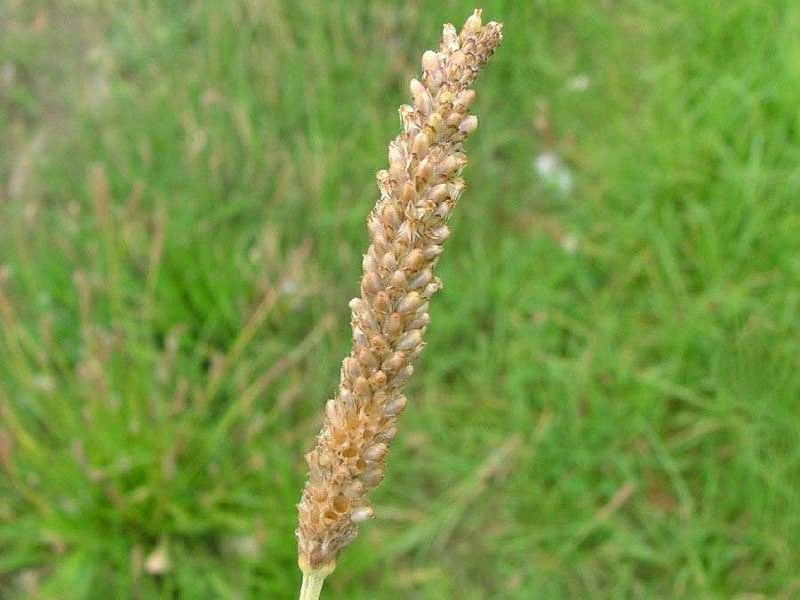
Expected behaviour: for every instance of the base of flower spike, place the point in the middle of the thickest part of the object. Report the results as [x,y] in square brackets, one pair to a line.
[313,579]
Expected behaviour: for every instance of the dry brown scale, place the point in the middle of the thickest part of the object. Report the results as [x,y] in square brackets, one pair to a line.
[407,229]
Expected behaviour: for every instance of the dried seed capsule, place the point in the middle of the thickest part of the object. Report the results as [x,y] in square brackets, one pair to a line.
[331,411]
[407,194]
[451,165]
[316,457]
[419,322]
[430,61]
[395,362]
[359,338]
[369,263]
[397,155]
[397,173]
[366,321]
[398,280]
[435,122]
[390,217]
[457,59]
[379,343]
[409,340]
[464,99]
[445,97]
[346,398]
[362,387]
[406,233]
[431,289]
[395,406]
[440,234]
[432,252]
[381,244]
[435,79]
[455,188]
[376,452]
[321,495]
[372,477]
[406,112]
[423,103]
[361,514]
[416,87]
[387,435]
[443,210]
[357,305]
[379,398]
[410,302]
[388,261]
[378,380]
[394,325]
[420,146]
[449,38]
[469,124]
[453,120]
[424,172]
[473,24]
[421,279]
[370,284]
[351,368]
[413,261]
[367,360]
[415,213]
[382,302]
[404,375]
[438,193]
[353,488]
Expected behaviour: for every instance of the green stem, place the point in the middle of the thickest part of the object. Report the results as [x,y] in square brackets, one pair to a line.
[312,585]
[313,579]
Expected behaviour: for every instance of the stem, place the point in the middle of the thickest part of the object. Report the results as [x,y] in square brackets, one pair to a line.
[312,585]
[313,579]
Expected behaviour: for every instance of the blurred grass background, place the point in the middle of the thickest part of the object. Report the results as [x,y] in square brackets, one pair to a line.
[608,405]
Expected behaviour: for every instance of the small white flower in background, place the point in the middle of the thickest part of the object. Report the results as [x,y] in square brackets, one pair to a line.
[291,290]
[157,562]
[570,243]
[579,83]
[546,164]
[289,287]
[554,172]
[246,545]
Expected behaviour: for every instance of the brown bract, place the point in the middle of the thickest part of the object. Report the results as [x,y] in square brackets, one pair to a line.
[407,228]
